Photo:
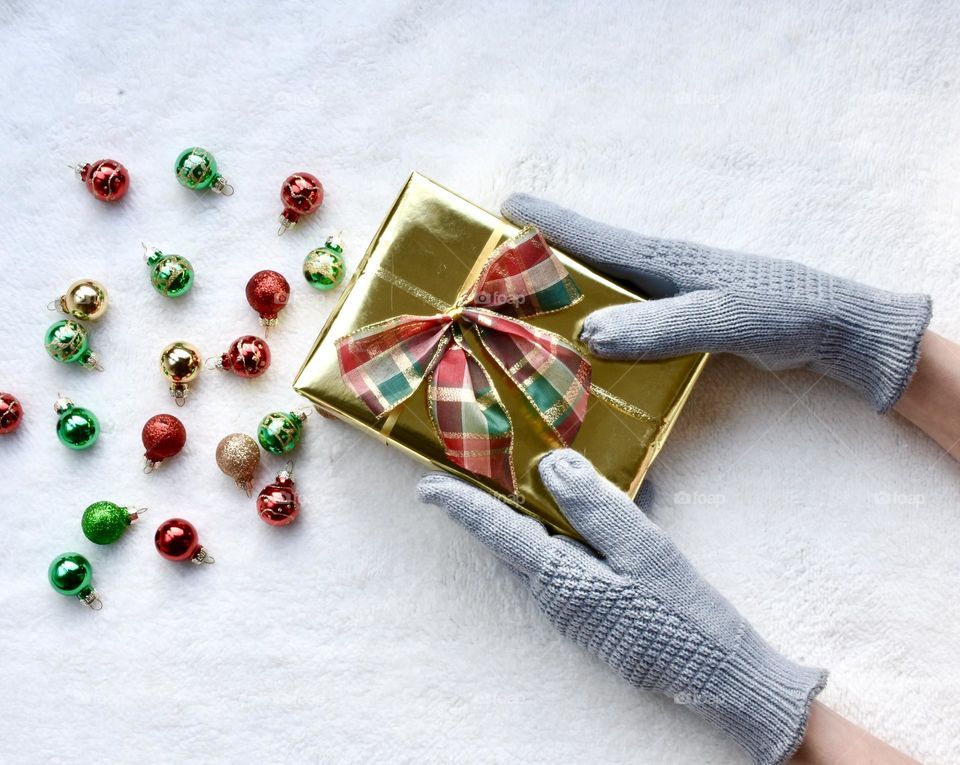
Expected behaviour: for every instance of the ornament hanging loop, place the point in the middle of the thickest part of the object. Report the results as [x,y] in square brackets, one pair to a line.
[91,599]
[221,186]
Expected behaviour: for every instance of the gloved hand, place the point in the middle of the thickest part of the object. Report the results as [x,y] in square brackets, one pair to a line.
[776,313]
[643,608]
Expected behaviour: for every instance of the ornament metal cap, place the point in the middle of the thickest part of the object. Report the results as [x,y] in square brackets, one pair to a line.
[91,599]
[202,556]
[221,186]
[335,241]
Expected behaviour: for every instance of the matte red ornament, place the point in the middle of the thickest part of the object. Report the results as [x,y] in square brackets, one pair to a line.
[267,293]
[163,436]
[10,413]
[301,194]
[177,540]
[106,179]
[247,356]
[278,503]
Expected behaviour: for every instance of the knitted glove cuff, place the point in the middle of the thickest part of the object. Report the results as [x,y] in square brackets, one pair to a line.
[761,699]
[873,341]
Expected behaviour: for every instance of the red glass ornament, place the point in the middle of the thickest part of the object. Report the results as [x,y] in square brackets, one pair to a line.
[177,540]
[278,503]
[247,356]
[106,179]
[301,194]
[163,436]
[267,293]
[10,413]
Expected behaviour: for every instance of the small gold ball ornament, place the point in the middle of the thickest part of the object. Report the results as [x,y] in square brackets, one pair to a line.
[180,363]
[85,300]
[238,457]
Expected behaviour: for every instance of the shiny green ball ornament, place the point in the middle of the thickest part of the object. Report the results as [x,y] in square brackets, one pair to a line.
[103,523]
[171,275]
[66,341]
[197,169]
[324,268]
[71,574]
[279,432]
[77,428]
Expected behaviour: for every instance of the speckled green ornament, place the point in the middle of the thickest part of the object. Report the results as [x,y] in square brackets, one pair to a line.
[66,341]
[171,275]
[71,574]
[104,522]
[279,432]
[77,428]
[197,169]
[324,268]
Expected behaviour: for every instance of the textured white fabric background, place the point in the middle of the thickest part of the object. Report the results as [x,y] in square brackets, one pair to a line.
[374,630]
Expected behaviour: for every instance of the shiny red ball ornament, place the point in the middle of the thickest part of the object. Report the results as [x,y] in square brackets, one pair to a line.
[301,194]
[163,436]
[278,503]
[10,413]
[267,293]
[177,539]
[247,356]
[106,179]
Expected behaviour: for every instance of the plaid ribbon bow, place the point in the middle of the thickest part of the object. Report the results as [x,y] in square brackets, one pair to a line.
[385,363]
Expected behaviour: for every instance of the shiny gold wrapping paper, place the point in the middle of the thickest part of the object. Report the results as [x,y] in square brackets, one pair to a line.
[430,242]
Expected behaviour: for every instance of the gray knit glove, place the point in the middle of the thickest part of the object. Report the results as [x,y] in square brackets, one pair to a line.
[643,608]
[776,313]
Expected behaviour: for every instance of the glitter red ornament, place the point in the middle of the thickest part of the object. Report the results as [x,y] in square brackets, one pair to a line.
[106,179]
[278,503]
[247,356]
[177,540]
[301,194]
[267,293]
[163,436]
[10,413]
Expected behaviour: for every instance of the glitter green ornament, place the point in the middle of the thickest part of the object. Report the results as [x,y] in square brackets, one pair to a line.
[71,574]
[323,268]
[197,169]
[77,428]
[171,275]
[279,432]
[103,523]
[66,341]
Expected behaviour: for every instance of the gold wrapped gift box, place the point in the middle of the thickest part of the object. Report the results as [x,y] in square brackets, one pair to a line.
[426,248]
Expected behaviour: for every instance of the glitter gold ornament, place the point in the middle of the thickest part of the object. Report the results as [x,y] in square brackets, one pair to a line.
[85,300]
[238,457]
[180,363]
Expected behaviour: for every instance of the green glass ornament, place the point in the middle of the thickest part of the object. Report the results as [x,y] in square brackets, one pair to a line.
[197,169]
[77,428]
[71,574]
[103,523]
[66,341]
[279,432]
[323,268]
[171,275]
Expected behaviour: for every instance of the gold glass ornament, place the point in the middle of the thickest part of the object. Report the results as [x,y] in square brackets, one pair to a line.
[85,300]
[180,363]
[238,457]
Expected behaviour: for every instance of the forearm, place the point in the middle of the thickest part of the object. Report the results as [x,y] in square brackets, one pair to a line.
[834,740]
[931,400]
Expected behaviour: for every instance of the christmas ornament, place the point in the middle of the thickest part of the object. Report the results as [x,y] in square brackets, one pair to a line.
[85,300]
[323,268]
[267,293]
[10,413]
[77,428]
[103,523]
[171,275]
[163,436]
[197,169]
[106,179]
[247,356]
[66,341]
[71,574]
[278,503]
[238,457]
[180,364]
[301,194]
[177,539]
[279,432]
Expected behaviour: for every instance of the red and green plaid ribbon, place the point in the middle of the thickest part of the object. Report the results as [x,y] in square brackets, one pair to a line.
[385,363]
